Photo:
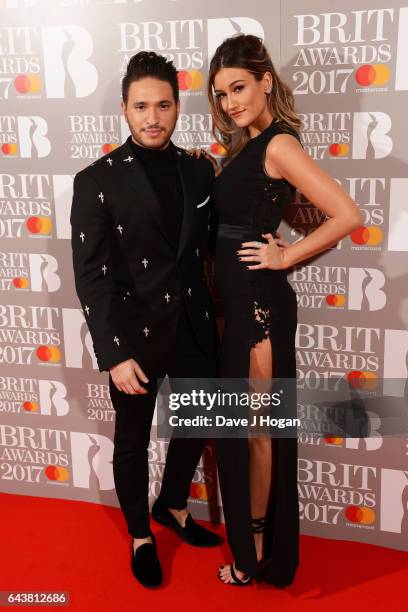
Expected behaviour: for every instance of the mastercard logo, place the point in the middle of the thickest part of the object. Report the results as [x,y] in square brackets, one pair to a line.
[335,441]
[190,79]
[339,150]
[56,473]
[108,148]
[200,491]
[369,74]
[20,283]
[362,379]
[9,149]
[39,225]
[367,235]
[30,406]
[335,300]
[49,354]
[359,514]
[218,149]
[27,83]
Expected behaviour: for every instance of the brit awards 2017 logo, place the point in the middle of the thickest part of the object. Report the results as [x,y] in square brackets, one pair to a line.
[337,494]
[92,136]
[342,135]
[189,43]
[55,60]
[29,335]
[35,206]
[357,50]
[29,272]
[337,287]
[33,396]
[343,351]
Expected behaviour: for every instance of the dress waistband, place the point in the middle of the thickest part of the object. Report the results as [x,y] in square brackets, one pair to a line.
[225,230]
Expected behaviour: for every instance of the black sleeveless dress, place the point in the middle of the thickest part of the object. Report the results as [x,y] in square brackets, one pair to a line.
[258,304]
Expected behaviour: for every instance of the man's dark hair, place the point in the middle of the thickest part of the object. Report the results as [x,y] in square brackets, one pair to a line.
[150,64]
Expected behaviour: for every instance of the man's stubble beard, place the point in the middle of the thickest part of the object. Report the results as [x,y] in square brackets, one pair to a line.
[142,144]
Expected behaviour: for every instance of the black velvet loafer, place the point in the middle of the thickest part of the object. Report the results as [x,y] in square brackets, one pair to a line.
[192,533]
[146,566]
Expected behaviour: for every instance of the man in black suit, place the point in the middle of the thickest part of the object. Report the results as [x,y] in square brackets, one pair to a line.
[139,224]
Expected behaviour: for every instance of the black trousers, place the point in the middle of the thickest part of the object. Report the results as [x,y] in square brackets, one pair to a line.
[133,422]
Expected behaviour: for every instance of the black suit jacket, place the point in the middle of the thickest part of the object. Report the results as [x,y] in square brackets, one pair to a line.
[129,279]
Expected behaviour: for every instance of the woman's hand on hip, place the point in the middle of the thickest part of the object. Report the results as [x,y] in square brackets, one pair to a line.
[265,256]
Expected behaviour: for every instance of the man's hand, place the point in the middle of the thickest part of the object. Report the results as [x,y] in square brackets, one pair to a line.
[126,376]
[198,151]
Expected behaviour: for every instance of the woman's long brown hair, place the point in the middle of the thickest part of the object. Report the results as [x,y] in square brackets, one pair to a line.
[248,52]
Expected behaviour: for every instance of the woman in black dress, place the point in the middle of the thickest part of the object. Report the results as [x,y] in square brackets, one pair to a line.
[254,119]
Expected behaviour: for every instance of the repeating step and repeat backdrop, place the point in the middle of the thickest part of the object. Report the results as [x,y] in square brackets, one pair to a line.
[61,63]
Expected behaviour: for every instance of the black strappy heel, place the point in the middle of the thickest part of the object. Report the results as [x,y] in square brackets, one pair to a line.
[258,526]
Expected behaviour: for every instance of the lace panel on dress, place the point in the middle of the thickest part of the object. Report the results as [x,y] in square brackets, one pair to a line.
[261,324]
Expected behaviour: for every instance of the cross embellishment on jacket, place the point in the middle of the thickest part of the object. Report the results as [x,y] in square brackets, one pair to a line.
[100,196]
[104,268]
[167,297]
[116,339]
[146,331]
[145,262]
[110,161]
[82,236]
[119,228]
[128,159]
[189,291]
[86,310]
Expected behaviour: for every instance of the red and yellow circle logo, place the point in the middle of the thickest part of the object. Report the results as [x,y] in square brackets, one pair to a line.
[335,299]
[190,79]
[30,406]
[218,149]
[332,440]
[360,379]
[109,147]
[27,83]
[372,74]
[39,225]
[359,514]
[370,235]
[48,354]
[20,283]
[56,473]
[9,149]
[200,491]
[339,150]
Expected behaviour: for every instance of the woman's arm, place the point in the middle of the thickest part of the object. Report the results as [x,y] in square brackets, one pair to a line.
[285,156]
